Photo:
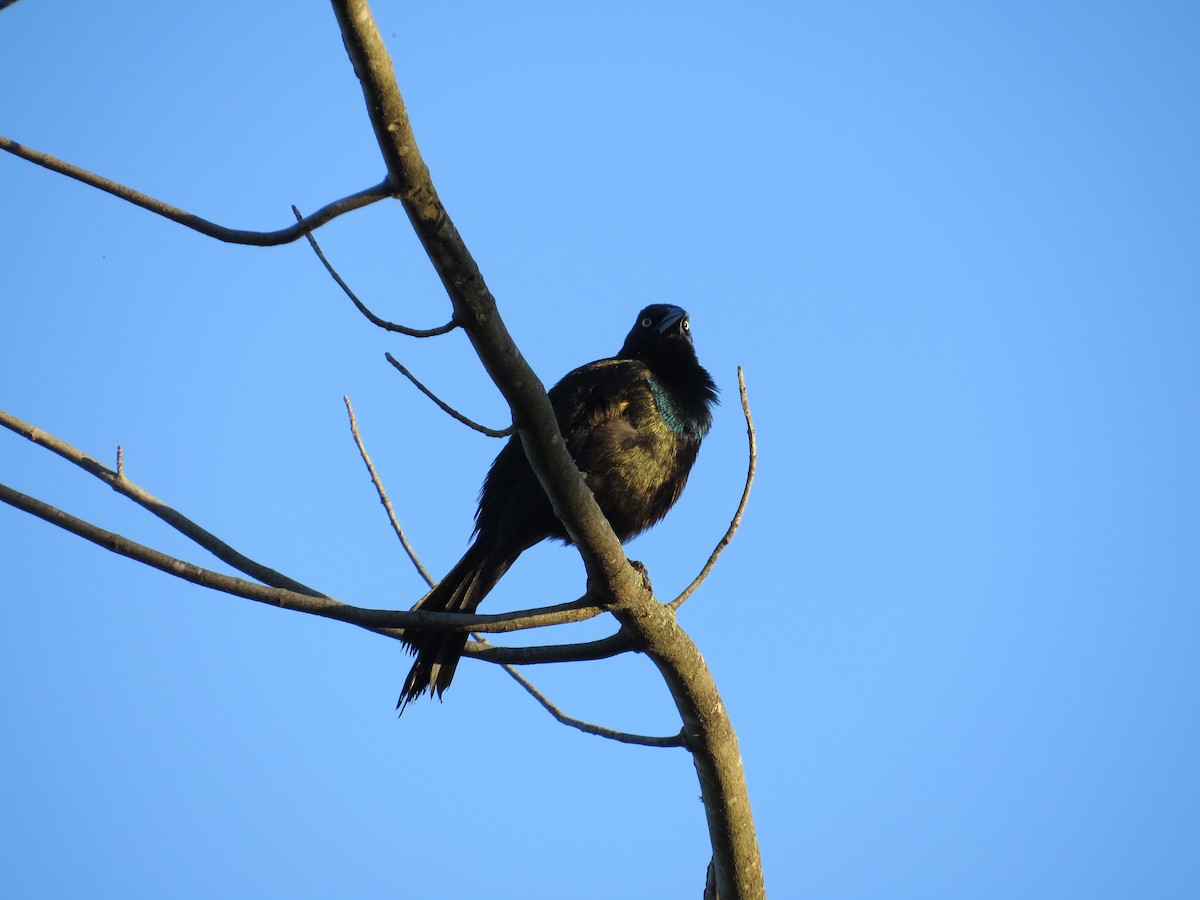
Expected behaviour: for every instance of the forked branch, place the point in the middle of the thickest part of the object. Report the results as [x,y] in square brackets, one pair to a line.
[613,584]
[709,735]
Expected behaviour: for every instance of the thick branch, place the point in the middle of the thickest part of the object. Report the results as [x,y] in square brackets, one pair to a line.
[475,308]
[183,217]
[710,737]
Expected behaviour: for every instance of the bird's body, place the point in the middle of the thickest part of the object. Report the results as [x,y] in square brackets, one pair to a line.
[632,423]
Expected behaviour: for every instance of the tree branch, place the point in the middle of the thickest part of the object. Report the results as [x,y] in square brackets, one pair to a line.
[624,737]
[706,726]
[475,307]
[383,497]
[481,649]
[379,620]
[445,407]
[612,581]
[276,589]
[181,523]
[183,217]
[737,516]
[362,308]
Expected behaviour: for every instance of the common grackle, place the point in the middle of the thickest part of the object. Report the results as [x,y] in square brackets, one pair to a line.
[632,423]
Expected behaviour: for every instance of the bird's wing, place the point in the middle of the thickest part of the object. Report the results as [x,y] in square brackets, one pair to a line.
[597,396]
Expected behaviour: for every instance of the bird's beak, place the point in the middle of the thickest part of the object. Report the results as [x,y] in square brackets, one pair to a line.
[670,319]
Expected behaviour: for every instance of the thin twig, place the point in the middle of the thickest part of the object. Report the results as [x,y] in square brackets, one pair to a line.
[605,648]
[675,740]
[362,308]
[737,516]
[449,410]
[196,223]
[612,646]
[383,497]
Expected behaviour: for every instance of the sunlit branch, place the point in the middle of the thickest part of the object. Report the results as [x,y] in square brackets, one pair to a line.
[196,223]
[362,308]
[737,516]
[475,308]
[446,408]
[710,735]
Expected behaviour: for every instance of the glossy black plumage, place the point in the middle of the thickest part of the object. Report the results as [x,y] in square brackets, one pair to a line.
[632,423]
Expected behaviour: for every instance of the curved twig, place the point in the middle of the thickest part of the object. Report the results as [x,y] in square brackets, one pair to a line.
[449,410]
[674,740]
[737,516]
[196,223]
[362,308]
[383,497]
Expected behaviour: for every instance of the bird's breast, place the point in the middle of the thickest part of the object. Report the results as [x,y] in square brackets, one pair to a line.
[669,409]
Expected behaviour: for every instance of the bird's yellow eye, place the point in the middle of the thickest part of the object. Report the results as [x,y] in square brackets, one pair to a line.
[647,322]
[685,325]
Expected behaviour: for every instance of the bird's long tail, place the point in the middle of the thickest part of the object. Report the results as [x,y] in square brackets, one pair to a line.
[438,652]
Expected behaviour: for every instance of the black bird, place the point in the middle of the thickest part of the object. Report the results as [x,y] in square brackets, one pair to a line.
[632,423]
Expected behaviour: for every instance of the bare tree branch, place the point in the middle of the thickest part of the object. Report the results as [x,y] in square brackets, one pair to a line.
[181,523]
[613,583]
[708,732]
[475,307]
[371,317]
[383,497]
[624,737]
[606,647]
[737,516]
[183,217]
[480,648]
[379,620]
[445,407]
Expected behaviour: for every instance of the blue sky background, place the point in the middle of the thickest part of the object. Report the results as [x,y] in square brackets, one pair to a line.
[955,247]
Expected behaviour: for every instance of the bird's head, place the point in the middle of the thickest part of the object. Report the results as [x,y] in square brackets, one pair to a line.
[660,329]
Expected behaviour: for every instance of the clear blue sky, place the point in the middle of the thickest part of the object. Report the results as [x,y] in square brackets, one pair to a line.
[956,248]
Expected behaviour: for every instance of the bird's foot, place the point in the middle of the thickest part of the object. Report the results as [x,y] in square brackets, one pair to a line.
[641,569]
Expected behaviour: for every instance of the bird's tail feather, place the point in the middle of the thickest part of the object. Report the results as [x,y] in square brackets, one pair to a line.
[438,652]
